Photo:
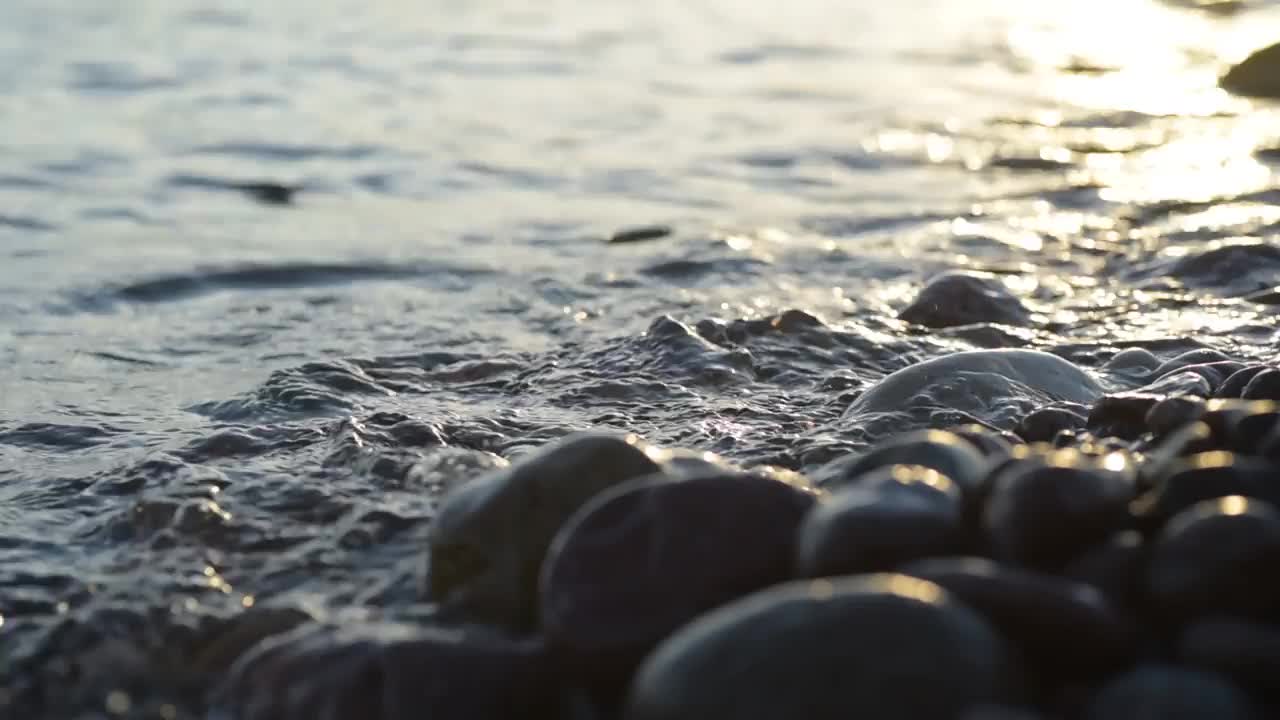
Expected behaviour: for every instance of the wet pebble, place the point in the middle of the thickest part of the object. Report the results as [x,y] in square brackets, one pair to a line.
[992,443]
[1065,630]
[891,516]
[1217,558]
[1246,652]
[874,646]
[383,671]
[1044,424]
[964,298]
[1122,415]
[1171,413]
[939,450]
[1166,692]
[1041,515]
[1189,359]
[640,561]
[1234,385]
[1265,385]
[1115,567]
[489,539]
[1258,75]
[1207,476]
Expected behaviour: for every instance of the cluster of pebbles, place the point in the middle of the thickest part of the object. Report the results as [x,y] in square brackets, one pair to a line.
[1111,559]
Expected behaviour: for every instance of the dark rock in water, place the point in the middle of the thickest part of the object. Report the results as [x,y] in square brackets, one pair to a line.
[986,384]
[875,646]
[988,441]
[1181,382]
[1044,424]
[893,515]
[1234,385]
[490,537]
[1122,415]
[1163,692]
[268,193]
[1133,361]
[641,560]
[231,638]
[1203,477]
[1115,567]
[965,298]
[1188,359]
[1218,558]
[1257,75]
[1174,412]
[1246,652]
[640,234]
[388,672]
[1065,630]
[1040,515]
[1264,386]
[937,450]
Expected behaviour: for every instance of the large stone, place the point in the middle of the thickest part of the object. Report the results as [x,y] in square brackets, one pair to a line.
[965,298]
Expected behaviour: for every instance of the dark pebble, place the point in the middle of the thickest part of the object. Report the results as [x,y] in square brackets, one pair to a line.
[992,443]
[1121,415]
[956,298]
[938,450]
[1189,358]
[1233,386]
[640,561]
[1264,386]
[894,515]
[873,646]
[1040,515]
[1218,558]
[1065,630]
[268,193]
[1172,413]
[1044,424]
[1246,652]
[488,541]
[388,672]
[1181,382]
[640,234]
[1115,567]
[1257,75]
[1163,692]
[1206,476]
[1133,361]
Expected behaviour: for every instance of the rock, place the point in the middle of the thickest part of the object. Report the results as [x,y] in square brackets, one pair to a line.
[874,646]
[964,298]
[937,450]
[1234,385]
[640,234]
[1188,359]
[1041,514]
[1064,630]
[975,381]
[1044,424]
[1257,75]
[1121,415]
[1203,477]
[388,671]
[1181,382]
[1217,558]
[891,516]
[1115,567]
[992,443]
[1246,652]
[1164,692]
[1133,362]
[1264,386]
[641,560]
[489,539]
[1171,413]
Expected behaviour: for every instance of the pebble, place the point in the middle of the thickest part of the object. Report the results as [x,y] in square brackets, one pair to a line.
[1171,413]
[1166,692]
[1257,75]
[1065,630]
[886,646]
[1246,652]
[640,561]
[1263,386]
[1044,424]
[1121,415]
[489,539]
[956,298]
[891,516]
[1217,558]
[1233,386]
[1206,476]
[1115,567]
[939,450]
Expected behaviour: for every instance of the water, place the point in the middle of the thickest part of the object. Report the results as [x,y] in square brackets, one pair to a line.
[217,393]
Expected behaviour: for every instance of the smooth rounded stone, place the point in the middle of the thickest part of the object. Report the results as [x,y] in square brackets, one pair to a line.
[873,646]
[1115,567]
[1165,692]
[894,515]
[1264,386]
[488,541]
[1042,514]
[990,442]
[1257,75]
[1218,558]
[1181,382]
[1132,361]
[975,380]
[1171,413]
[1233,386]
[385,671]
[958,297]
[1044,424]
[1246,652]
[1121,415]
[1207,476]
[1065,630]
[641,560]
[1185,360]
[939,450]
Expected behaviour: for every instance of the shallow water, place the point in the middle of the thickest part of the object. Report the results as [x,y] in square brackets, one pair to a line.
[274,274]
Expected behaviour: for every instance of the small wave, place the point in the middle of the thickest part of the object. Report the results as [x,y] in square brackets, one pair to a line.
[286,152]
[50,435]
[20,222]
